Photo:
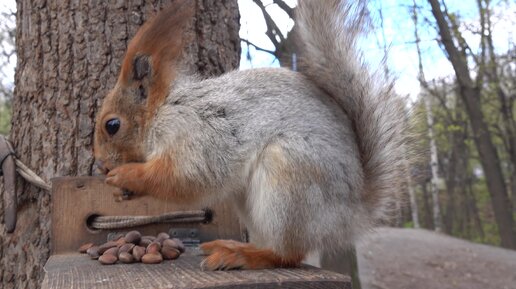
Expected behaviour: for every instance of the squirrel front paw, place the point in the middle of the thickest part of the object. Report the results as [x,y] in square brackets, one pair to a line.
[128,177]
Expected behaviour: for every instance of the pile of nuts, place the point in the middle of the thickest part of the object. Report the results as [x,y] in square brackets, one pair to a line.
[133,247]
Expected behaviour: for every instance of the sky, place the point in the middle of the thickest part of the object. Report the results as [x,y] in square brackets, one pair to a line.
[398,30]
[399,38]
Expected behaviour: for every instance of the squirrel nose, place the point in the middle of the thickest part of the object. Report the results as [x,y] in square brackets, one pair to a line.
[98,168]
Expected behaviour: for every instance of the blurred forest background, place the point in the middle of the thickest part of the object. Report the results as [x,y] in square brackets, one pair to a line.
[7,62]
[456,69]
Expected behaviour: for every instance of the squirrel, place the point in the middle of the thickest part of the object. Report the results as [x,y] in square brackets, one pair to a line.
[310,159]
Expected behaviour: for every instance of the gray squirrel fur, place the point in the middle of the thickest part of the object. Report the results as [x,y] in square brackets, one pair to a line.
[311,159]
[242,131]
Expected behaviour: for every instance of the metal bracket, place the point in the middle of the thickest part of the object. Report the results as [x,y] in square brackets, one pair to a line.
[189,236]
[8,170]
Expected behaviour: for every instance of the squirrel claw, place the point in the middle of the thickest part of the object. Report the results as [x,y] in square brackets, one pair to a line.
[126,195]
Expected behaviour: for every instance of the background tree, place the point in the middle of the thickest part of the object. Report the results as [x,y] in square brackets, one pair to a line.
[69,55]
[427,100]
[7,61]
[468,207]
[434,165]
[284,43]
[470,90]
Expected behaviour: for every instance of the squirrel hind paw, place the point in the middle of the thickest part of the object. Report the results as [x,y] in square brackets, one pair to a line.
[210,247]
[223,259]
[229,255]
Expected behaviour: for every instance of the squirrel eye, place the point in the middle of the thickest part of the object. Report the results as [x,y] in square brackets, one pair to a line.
[112,126]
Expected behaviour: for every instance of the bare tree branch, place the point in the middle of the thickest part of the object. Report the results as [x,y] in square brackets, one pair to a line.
[272,28]
[257,47]
[285,7]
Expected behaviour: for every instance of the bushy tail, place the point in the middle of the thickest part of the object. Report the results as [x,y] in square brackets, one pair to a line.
[327,31]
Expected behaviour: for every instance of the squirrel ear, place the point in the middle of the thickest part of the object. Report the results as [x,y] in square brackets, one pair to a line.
[142,70]
[141,67]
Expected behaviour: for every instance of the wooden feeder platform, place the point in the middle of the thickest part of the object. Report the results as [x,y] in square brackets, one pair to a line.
[78,271]
[76,199]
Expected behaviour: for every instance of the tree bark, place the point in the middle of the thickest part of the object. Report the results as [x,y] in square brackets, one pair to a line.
[69,55]
[487,151]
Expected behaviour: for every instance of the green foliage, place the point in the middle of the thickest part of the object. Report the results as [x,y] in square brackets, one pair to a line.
[5,118]
[451,129]
[408,224]
[492,236]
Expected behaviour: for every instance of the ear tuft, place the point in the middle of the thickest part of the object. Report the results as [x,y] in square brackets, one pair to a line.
[155,52]
[141,67]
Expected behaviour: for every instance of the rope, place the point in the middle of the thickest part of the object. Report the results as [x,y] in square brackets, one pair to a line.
[121,222]
[3,160]
[113,222]
[28,174]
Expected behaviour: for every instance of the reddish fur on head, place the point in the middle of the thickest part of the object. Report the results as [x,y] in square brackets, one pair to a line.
[148,69]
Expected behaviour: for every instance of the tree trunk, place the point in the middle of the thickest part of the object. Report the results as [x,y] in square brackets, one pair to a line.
[69,55]
[449,214]
[487,151]
[430,123]
[463,214]
[344,262]
[434,165]
[472,203]
[512,183]
[456,139]
[493,72]
[429,224]
[412,194]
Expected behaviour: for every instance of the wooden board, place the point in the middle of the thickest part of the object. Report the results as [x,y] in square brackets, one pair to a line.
[74,199]
[79,272]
